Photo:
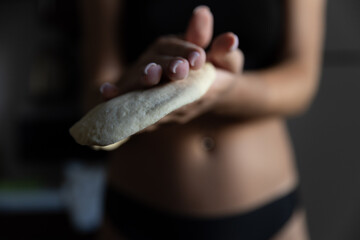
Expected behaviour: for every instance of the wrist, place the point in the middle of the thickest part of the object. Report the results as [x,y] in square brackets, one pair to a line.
[231,99]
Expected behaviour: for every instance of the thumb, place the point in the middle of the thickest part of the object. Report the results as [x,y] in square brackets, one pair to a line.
[200,28]
[224,53]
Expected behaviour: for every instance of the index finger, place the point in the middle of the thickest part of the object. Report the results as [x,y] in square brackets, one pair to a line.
[200,28]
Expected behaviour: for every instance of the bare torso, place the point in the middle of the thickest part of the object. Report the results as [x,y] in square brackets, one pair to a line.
[215,165]
[210,166]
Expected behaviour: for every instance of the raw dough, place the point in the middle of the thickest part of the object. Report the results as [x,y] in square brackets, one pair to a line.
[119,118]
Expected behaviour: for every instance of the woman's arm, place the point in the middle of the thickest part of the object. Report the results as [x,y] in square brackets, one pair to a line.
[289,87]
[100,20]
[101,56]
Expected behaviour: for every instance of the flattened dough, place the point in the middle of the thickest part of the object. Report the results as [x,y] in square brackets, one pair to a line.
[119,118]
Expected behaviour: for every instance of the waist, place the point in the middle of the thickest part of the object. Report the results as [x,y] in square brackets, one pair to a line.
[215,165]
[140,221]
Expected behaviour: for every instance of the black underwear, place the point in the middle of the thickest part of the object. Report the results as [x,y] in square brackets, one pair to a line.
[138,221]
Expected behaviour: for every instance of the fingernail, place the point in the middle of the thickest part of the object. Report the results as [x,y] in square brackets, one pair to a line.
[174,65]
[107,87]
[192,58]
[235,44]
[148,67]
[152,75]
[199,8]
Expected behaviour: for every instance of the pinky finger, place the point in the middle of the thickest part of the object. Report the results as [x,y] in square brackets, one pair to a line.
[109,90]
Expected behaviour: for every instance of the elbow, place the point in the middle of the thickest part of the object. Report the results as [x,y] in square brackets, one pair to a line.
[289,109]
[303,101]
[293,91]
[298,100]
[299,109]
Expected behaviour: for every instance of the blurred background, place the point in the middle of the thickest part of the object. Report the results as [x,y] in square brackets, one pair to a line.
[50,186]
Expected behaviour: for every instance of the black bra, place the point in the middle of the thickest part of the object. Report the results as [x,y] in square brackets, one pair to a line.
[258,23]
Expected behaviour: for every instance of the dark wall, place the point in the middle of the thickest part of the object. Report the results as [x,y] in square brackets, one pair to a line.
[326,138]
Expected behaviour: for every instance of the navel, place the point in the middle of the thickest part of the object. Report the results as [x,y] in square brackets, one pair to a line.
[208,143]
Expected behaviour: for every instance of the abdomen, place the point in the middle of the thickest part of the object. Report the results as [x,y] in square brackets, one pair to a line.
[207,167]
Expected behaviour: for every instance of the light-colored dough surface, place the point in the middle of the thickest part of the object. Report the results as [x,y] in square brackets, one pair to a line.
[123,116]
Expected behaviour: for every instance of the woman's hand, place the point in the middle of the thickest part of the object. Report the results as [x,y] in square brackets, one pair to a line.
[170,58]
[223,82]
[229,61]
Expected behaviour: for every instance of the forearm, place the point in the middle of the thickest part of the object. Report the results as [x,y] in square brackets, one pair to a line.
[101,53]
[285,89]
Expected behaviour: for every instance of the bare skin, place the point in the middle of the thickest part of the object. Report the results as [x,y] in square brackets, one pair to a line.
[229,152]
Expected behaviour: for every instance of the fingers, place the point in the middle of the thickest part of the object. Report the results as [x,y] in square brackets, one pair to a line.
[225,43]
[224,53]
[109,90]
[160,67]
[152,74]
[147,75]
[175,57]
[173,68]
[173,46]
[169,58]
[140,76]
[200,28]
